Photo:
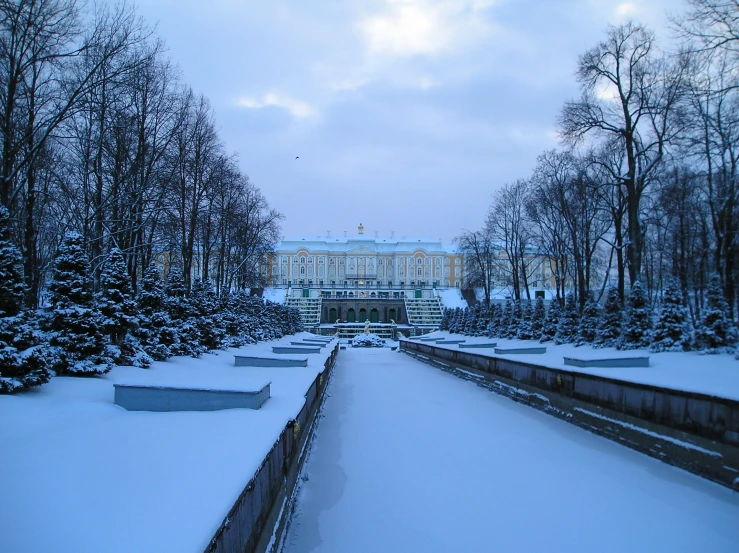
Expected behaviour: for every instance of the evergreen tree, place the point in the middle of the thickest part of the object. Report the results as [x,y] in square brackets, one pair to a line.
[637,327]
[12,287]
[444,325]
[482,322]
[155,329]
[208,319]
[715,332]
[494,324]
[569,323]
[551,321]
[515,319]
[525,331]
[75,323]
[589,321]
[506,319]
[115,300]
[611,322]
[468,321]
[671,330]
[537,319]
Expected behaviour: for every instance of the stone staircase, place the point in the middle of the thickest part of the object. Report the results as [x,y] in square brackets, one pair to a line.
[310,310]
[423,312]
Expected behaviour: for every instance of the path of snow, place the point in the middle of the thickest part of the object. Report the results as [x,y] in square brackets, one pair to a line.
[408,458]
[79,474]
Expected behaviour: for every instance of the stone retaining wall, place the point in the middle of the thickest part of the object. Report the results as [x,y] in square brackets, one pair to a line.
[258,516]
[695,431]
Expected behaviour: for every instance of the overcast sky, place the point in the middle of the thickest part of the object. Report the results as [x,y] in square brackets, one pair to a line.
[406,114]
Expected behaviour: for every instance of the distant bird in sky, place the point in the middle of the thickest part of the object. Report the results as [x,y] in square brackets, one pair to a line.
[297,157]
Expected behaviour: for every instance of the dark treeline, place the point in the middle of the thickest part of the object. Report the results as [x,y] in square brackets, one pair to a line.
[100,136]
[103,140]
[644,187]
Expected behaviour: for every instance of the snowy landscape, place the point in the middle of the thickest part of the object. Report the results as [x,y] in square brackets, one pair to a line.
[579,163]
[105,479]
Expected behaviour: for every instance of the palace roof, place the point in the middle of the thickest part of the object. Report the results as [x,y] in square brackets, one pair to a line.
[379,245]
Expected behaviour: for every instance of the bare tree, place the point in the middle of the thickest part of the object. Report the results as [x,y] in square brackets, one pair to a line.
[508,224]
[481,259]
[629,93]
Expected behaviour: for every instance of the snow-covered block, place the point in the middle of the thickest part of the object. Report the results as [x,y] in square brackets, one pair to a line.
[325,339]
[480,345]
[515,351]
[454,341]
[427,338]
[631,361]
[296,349]
[248,361]
[141,397]
[308,344]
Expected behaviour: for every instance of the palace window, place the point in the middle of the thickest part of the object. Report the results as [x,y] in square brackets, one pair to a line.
[456,261]
[332,261]
[302,270]
[284,259]
[302,260]
[310,260]
[420,272]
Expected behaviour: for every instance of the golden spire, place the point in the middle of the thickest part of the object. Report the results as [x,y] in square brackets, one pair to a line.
[360,229]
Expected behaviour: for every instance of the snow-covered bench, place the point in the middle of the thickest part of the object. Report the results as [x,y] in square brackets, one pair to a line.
[143,397]
[426,338]
[308,344]
[447,341]
[521,350]
[630,361]
[296,349]
[247,361]
[480,345]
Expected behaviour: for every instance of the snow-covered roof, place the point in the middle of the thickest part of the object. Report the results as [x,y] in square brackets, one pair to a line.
[361,242]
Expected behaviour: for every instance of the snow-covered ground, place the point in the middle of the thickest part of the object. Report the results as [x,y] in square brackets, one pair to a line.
[276,295]
[409,458]
[452,298]
[716,375]
[78,474]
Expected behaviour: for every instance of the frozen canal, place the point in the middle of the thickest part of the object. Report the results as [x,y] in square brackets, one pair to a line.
[411,459]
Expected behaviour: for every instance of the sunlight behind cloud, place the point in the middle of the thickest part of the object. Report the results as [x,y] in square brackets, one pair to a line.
[297,109]
[407,28]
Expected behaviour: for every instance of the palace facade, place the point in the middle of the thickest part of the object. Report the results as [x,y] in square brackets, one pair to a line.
[359,278]
[342,265]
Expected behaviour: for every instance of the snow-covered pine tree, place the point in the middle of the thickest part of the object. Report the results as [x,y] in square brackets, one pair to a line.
[589,321]
[638,320]
[515,320]
[483,319]
[154,329]
[207,319]
[12,287]
[537,319]
[525,326]
[715,333]
[182,314]
[75,323]
[611,322]
[469,317]
[506,319]
[551,321]
[671,329]
[457,320]
[494,324]
[19,370]
[115,299]
[444,325]
[569,323]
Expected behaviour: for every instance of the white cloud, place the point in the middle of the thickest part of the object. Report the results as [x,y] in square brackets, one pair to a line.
[297,109]
[627,10]
[407,28]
